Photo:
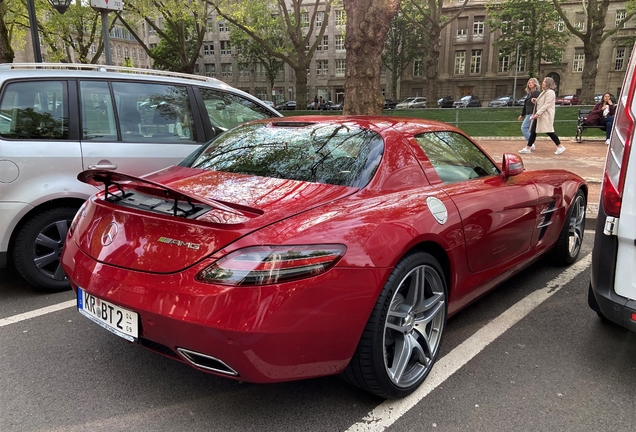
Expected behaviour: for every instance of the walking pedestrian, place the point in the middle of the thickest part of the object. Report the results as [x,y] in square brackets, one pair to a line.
[532,92]
[543,117]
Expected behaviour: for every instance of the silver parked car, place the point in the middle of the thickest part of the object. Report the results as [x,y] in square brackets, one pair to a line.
[57,120]
[412,102]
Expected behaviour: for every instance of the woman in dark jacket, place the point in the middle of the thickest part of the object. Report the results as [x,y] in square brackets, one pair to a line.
[603,114]
[533,91]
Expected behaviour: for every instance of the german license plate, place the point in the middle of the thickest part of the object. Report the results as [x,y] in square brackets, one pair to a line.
[113,318]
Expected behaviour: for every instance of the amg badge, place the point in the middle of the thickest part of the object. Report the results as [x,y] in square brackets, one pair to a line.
[189,245]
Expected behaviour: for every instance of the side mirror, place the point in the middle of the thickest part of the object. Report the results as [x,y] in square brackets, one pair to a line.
[512,165]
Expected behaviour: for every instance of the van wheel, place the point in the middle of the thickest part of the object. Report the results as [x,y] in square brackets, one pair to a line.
[38,247]
[568,245]
[401,340]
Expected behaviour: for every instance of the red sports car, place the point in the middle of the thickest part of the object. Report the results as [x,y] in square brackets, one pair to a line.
[311,246]
[567,100]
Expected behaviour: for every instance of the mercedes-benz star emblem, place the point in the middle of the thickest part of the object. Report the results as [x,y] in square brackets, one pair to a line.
[109,234]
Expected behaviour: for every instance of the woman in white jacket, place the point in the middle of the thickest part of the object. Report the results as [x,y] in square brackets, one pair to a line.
[543,117]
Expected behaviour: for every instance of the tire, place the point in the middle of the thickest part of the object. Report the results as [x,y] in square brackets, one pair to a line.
[401,340]
[38,247]
[568,245]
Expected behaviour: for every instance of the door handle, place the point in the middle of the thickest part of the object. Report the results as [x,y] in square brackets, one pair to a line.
[104,166]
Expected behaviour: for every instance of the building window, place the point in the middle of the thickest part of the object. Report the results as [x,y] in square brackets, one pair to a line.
[210,70]
[478,29]
[341,18]
[579,61]
[320,18]
[209,26]
[504,63]
[322,67]
[225,47]
[324,45]
[340,43]
[620,16]
[620,59]
[223,27]
[118,51]
[559,25]
[304,19]
[521,67]
[93,48]
[475,61]
[126,52]
[134,53]
[460,62]
[226,69]
[261,94]
[208,48]
[340,68]
[462,35]
[418,67]
[244,70]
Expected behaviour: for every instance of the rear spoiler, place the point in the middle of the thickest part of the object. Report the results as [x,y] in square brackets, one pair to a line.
[114,183]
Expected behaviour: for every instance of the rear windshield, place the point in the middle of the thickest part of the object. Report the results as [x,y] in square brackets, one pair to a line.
[335,154]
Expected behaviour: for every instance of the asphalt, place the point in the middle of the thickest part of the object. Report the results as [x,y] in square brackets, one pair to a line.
[586,159]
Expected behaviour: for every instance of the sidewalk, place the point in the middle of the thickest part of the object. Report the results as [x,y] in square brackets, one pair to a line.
[586,159]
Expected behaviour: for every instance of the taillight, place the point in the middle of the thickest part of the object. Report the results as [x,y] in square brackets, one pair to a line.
[620,145]
[265,265]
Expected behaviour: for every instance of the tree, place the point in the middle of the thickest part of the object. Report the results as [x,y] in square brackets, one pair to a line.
[69,37]
[180,26]
[295,21]
[253,55]
[528,27]
[592,33]
[6,52]
[426,16]
[367,26]
[401,47]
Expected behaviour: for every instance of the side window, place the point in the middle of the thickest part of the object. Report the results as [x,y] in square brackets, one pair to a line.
[98,115]
[154,112]
[227,110]
[454,157]
[34,110]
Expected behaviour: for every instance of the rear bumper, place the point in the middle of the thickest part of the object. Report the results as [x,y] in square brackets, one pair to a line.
[612,306]
[271,333]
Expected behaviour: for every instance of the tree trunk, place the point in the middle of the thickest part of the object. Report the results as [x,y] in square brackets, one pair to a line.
[6,52]
[432,65]
[367,26]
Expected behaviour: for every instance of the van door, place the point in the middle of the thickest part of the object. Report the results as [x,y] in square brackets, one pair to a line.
[136,127]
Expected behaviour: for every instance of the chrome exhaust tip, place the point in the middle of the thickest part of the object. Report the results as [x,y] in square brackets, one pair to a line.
[206,362]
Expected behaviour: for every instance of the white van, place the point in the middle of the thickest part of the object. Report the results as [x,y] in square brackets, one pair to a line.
[612,292]
[57,120]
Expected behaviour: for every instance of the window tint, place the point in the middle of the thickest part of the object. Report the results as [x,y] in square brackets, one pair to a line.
[154,112]
[227,110]
[320,153]
[98,115]
[454,157]
[34,110]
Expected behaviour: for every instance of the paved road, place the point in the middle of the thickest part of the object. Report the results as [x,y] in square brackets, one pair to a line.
[559,368]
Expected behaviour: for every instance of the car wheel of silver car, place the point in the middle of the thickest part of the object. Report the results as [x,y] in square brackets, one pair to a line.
[38,247]
[401,340]
[568,245]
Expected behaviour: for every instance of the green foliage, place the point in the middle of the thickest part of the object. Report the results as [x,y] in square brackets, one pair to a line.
[529,25]
[164,54]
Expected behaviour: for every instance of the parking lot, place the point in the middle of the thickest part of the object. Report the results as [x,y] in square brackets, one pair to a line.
[529,356]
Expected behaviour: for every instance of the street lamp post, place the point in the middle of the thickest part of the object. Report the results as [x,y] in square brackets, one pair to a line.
[60,6]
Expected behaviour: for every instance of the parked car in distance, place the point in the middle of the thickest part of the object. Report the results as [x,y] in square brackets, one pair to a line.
[521,101]
[501,101]
[268,103]
[599,97]
[58,119]
[337,106]
[612,292]
[446,102]
[249,243]
[468,101]
[412,102]
[286,106]
[566,100]
[389,104]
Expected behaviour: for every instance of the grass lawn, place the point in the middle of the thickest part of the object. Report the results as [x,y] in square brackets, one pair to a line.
[485,122]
